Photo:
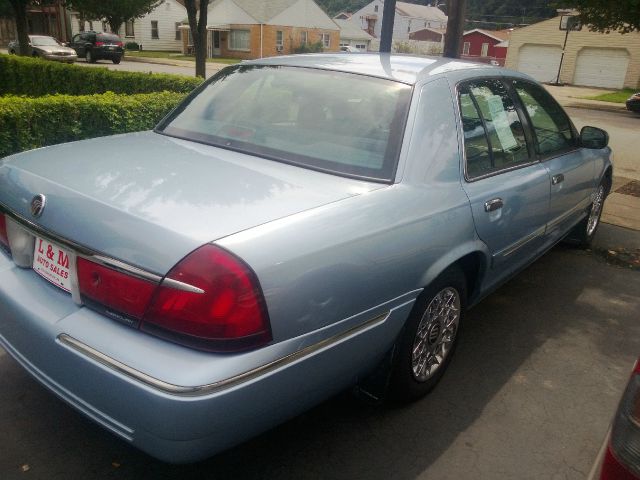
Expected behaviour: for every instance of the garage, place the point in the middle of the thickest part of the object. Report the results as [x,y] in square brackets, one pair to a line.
[540,61]
[601,67]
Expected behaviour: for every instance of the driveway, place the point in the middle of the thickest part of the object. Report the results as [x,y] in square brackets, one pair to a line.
[529,395]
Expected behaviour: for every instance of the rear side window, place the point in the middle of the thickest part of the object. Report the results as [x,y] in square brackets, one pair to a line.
[494,135]
[551,126]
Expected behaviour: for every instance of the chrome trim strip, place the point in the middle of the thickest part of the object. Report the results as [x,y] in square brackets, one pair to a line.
[177,285]
[561,218]
[521,243]
[200,390]
[123,267]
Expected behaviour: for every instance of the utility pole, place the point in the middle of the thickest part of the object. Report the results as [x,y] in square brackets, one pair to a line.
[455,28]
[388,17]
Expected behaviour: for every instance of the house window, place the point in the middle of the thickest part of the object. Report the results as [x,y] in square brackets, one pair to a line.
[154,29]
[325,38]
[361,46]
[375,8]
[91,26]
[465,48]
[128,29]
[485,50]
[304,37]
[178,31]
[279,39]
[239,40]
[81,25]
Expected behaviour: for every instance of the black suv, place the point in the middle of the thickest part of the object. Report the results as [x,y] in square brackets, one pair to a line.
[96,45]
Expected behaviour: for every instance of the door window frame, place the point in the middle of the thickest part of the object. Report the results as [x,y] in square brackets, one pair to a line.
[524,120]
[511,85]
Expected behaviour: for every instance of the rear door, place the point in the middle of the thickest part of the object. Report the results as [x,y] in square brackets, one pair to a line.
[571,169]
[507,186]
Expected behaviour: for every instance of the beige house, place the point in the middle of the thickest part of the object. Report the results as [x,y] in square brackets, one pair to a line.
[591,59]
[250,29]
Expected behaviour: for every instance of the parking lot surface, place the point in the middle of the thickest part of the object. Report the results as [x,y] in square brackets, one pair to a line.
[529,395]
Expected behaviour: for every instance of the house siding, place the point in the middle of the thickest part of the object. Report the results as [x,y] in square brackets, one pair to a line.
[167,15]
[548,33]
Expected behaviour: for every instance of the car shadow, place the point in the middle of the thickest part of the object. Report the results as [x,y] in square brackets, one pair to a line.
[566,291]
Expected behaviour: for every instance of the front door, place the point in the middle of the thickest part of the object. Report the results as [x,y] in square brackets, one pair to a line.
[508,188]
[216,43]
[571,169]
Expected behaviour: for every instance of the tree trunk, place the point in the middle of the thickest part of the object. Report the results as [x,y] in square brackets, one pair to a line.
[20,9]
[455,28]
[198,29]
[115,24]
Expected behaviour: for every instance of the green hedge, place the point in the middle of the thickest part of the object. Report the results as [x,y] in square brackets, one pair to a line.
[27,123]
[36,77]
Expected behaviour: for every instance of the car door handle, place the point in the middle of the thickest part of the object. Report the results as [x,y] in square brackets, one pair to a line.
[556,179]
[493,205]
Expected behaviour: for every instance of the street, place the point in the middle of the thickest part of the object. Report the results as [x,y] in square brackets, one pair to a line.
[530,394]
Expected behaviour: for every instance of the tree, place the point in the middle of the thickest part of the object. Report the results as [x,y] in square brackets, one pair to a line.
[115,12]
[17,9]
[455,28]
[197,15]
[608,15]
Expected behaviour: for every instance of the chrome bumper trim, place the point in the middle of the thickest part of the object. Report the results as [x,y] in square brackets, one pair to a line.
[200,390]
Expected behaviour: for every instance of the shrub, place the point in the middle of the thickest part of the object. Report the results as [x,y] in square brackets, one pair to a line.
[132,46]
[36,77]
[27,123]
[309,48]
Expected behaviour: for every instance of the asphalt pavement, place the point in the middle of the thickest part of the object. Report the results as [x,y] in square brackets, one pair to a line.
[529,395]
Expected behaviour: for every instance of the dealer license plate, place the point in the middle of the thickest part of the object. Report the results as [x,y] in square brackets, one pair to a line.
[52,263]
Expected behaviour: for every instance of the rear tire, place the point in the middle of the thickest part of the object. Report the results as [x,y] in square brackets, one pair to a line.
[429,337]
[117,60]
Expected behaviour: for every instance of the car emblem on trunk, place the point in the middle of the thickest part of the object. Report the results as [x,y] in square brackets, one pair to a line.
[37,205]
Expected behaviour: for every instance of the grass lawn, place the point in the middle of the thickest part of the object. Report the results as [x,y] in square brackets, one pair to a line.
[177,56]
[620,96]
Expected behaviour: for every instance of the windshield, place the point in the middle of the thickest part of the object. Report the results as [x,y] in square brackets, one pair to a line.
[338,122]
[44,41]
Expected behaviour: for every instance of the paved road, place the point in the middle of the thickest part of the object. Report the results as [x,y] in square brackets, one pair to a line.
[184,67]
[529,395]
[623,130]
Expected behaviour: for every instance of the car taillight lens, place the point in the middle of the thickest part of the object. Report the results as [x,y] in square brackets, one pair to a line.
[224,312]
[119,44]
[119,293]
[4,238]
[99,44]
[623,458]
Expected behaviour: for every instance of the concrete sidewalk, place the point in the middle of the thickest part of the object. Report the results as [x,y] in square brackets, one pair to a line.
[570,96]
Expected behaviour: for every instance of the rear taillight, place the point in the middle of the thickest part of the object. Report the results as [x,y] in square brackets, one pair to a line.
[623,458]
[119,44]
[99,44]
[220,306]
[4,237]
[117,294]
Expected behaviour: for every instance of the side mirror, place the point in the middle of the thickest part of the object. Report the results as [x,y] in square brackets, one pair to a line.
[592,137]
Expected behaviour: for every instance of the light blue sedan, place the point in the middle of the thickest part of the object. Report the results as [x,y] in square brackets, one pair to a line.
[297,226]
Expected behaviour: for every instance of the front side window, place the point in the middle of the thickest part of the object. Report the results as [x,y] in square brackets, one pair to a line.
[502,126]
[239,40]
[551,126]
[154,29]
[285,114]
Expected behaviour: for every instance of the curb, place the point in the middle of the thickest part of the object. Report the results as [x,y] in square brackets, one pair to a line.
[603,108]
[153,61]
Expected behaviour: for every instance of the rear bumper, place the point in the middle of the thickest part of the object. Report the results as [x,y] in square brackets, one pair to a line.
[214,406]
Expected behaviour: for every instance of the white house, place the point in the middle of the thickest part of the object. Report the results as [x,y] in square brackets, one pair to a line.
[157,30]
[352,35]
[409,18]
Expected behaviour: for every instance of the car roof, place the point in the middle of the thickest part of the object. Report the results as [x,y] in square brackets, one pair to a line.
[403,68]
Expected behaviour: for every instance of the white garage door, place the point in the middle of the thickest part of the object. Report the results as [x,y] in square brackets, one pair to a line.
[601,67]
[540,61]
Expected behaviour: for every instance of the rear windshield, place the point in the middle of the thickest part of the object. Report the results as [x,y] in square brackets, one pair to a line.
[105,37]
[337,122]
